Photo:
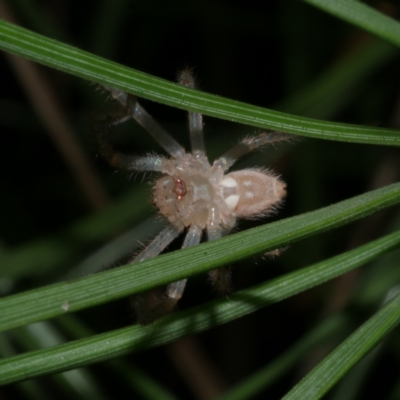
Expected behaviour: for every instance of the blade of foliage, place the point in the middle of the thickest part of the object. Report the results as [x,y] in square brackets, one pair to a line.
[266,376]
[32,13]
[335,87]
[30,389]
[378,280]
[50,301]
[78,383]
[147,387]
[363,16]
[138,380]
[107,24]
[49,52]
[329,371]
[42,255]
[135,338]
[112,252]
[395,393]
[352,384]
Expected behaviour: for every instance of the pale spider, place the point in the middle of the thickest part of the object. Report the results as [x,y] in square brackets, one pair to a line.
[193,194]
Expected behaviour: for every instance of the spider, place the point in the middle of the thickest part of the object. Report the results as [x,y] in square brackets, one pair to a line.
[193,194]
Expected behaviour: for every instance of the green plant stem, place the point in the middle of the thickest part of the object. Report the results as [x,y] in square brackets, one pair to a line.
[47,302]
[362,341]
[123,341]
[328,329]
[66,58]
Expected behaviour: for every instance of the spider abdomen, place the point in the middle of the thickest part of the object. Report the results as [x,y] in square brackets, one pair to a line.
[258,192]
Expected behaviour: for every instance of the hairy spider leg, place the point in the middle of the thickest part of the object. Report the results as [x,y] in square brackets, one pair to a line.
[247,199]
[150,163]
[175,290]
[220,278]
[152,304]
[247,145]
[134,110]
[159,243]
[216,230]
[186,78]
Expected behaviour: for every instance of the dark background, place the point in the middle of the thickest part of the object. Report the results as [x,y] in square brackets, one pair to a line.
[259,54]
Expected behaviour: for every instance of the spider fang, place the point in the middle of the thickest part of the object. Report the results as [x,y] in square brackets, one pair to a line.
[180,188]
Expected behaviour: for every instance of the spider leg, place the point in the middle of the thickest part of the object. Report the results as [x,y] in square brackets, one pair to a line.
[220,278]
[176,289]
[159,243]
[155,303]
[152,303]
[186,78]
[151,163]
[247,145]
[132,109]
[214,233]
[119,160]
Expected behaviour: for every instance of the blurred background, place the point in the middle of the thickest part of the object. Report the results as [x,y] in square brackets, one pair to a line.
[67,213]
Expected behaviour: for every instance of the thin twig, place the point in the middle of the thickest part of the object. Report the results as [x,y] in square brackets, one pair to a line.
[44,101]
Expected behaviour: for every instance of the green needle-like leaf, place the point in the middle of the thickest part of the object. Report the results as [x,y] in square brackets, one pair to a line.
[47,302]
[66,58]
[327,330]
[347,78]
[195,320]
[329,371]
[336,86]
[42,255]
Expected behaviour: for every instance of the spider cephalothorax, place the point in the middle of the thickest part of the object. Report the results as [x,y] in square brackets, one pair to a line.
[193,194]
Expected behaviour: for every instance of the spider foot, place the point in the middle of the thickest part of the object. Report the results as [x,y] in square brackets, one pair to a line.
[152,305]
[276,252]
[100,125]
[221,279]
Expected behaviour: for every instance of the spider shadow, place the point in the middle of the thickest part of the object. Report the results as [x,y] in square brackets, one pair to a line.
[201,318]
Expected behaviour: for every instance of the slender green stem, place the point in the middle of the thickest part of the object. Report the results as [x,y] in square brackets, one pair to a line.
[77,62]
[362,341]
[47,302]
[135,338]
